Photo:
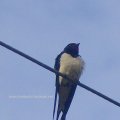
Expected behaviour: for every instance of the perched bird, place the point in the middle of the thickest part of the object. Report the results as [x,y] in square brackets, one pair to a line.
[70,63]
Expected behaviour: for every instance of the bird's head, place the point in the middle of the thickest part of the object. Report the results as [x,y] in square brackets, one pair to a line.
[72,49]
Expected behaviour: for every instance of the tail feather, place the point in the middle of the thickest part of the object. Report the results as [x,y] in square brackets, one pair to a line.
[58,113]
[55,103]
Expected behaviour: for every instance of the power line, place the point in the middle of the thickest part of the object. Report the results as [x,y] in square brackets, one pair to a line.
[58,73]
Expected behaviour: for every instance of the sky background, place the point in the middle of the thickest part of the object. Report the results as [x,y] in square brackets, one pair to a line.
[42,28]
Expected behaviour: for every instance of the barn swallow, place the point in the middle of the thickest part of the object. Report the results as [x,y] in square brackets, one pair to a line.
[71,64]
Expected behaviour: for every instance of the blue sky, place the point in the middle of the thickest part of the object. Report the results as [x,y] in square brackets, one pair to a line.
[42,28]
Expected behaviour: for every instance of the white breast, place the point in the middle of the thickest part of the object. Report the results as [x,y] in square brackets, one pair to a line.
[71,66]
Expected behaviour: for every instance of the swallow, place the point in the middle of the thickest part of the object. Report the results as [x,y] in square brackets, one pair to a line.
[71,64]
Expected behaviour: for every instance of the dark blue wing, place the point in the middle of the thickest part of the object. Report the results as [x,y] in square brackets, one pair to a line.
[56,67]
[69,100]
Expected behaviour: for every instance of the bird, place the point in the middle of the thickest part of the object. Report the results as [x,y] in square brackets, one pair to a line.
[71,64]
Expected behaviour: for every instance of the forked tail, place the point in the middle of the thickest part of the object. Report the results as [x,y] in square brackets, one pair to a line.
[55,100]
